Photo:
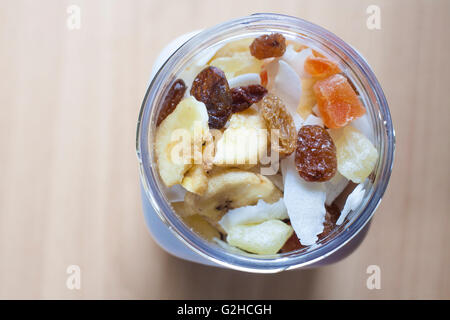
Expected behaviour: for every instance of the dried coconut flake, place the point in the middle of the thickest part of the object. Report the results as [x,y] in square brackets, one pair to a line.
[305,203]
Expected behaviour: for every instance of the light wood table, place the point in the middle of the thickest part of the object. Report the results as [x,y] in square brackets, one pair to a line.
[69,194]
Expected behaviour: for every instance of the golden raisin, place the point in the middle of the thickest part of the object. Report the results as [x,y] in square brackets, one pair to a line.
[244,97]
[278,117]
[211,87]
[173,97]
[315,157]
[268,46]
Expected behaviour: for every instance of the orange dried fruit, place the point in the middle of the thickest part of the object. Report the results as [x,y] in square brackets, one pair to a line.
[338,103]
[321,67]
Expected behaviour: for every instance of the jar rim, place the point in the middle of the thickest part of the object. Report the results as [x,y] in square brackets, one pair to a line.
[276,263]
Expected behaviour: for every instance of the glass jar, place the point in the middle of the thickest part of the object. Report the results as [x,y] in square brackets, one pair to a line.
[174,236]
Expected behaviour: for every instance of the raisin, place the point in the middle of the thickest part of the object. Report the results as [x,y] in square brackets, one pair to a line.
[331,217]
[292,244]
[268,46]
[173,97]
[278,117]
[315,157]
[211,87]
[244,97]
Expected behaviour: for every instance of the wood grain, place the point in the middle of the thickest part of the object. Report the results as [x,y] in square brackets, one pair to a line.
[69,102]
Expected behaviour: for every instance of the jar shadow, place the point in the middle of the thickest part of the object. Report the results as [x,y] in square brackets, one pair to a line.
[188,280]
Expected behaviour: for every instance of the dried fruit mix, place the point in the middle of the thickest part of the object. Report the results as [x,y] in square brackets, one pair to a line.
[236,202]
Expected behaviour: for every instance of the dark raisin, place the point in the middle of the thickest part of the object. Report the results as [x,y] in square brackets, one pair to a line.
[292,244]
[315,157]
[173,97]
[268,46]
[211,87]
[244,97]
[331,217]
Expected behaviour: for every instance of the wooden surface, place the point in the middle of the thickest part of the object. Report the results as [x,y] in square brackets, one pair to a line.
[69,102]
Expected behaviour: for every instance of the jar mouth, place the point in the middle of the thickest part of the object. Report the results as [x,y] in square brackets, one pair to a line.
[374,100]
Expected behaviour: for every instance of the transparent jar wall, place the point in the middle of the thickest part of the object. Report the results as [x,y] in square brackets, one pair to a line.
[355,67]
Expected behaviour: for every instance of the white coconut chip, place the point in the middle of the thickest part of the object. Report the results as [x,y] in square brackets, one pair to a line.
[364,126]
[244,80]
[334,187]
[287,86]
[298,121]
[297,60]
[254,214]
[312,120]
[353,201]
[305,203]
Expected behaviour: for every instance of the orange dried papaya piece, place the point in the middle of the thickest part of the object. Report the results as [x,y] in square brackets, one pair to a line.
[338,103]
[321,67]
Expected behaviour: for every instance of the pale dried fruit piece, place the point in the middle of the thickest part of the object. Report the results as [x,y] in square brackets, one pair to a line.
[238,64]
[307,98]
[261,212]
[297,60]
[305,202]
[229,189]
[356,155]
[244,142]
[264,238]
[245,79]
[287,86]
[211,87]
[315,155]
[354,199]
[268,46]
[229,49]
[197,223]
[195,180]
[180,130]
[334,187]
[277,117]
[202,227]
[312,120]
